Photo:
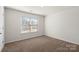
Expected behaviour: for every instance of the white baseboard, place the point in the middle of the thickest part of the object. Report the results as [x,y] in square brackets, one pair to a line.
[52,36]
[22,39]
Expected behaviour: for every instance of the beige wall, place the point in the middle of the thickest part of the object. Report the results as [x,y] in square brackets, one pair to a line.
[13,31]
[64,25]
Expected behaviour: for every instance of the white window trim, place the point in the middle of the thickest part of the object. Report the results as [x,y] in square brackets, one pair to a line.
[21,31]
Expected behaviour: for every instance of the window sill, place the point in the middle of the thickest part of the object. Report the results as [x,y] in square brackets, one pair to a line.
[26,32]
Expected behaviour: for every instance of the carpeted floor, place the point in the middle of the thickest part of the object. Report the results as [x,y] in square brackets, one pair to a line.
[41,44]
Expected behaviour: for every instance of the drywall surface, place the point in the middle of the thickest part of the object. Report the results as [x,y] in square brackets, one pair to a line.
[2,41]
[64,25]
[13,26]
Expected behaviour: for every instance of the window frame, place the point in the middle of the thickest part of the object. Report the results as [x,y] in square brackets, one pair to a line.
[29,26]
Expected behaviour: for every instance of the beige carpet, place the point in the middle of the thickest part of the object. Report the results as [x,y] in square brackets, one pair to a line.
[41,44]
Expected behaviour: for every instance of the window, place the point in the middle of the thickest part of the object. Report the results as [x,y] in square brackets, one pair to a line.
[29,24]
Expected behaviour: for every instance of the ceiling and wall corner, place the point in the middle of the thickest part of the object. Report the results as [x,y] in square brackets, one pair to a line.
[41,10]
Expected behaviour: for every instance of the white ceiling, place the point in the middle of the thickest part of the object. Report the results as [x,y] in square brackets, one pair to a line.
[42,10]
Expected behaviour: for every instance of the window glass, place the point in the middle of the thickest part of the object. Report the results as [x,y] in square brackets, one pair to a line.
[29,24]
